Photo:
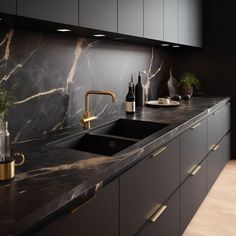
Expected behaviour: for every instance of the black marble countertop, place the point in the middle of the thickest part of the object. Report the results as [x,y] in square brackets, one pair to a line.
[52,177]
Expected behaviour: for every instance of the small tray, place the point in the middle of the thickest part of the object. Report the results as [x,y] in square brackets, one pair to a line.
[156,103]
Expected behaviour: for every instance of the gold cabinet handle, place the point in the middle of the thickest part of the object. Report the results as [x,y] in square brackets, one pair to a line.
[160,150]
[158,213]
[195,126]
[194,172]
[215,147]
[72,211]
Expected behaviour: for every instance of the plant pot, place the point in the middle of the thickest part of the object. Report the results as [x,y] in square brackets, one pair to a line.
[183,90]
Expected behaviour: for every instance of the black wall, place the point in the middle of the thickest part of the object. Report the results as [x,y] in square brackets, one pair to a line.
[215,64]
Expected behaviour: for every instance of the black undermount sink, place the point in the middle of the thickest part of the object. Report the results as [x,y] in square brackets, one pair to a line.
[135,129]
[97,144]
[111,138]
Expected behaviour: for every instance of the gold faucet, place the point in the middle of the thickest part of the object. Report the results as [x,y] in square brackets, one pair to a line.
[87,116]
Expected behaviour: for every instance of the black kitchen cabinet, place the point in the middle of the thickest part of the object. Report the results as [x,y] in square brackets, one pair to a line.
[98,14]
[192,193]
[98,217]
[195,22]
[193,147]
[171,20]
[226,151]
[226,118]
[214,125]
[146,186]
[183,22]
[60,11]
[130,17]
[214,164]
[165,221]
[153,19]
[8,6]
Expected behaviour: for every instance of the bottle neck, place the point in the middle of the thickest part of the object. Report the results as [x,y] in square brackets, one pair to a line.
[130,89]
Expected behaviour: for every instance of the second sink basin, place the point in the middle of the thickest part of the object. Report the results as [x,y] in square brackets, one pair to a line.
[135,129]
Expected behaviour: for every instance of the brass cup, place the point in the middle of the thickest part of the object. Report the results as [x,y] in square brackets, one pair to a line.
[7,169]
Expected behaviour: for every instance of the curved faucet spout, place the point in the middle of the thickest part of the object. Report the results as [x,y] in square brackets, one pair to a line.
[87,118]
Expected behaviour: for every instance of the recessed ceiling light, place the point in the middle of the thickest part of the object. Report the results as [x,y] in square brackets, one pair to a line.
[175,46]
[63,30]
[99,35]
[165,44]
[0,18]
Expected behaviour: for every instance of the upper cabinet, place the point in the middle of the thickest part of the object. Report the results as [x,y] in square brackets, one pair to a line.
[153,19]
[183,22]
[98,14]
[60,11]
[130,17]
[195,21]
[174,21]
[171,20]
[8,6]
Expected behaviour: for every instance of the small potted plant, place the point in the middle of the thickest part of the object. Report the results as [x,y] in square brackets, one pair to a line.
[6,101]
[188,82]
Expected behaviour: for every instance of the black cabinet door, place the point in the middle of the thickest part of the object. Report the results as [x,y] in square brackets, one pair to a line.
[171,20]
[193,147]
[130,17]
[153,19]
[195,22]
[226,118]
[146,186]
[214,164]
[98,217]
[60,11]
[164,222]
[8,6]
[192,193]
[98,14]
[183,22]
[226,149]
[214,125]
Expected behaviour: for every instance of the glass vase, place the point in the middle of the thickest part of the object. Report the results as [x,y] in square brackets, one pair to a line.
[4,142]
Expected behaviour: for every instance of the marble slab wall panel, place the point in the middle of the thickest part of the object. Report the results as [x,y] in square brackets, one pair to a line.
[49,75]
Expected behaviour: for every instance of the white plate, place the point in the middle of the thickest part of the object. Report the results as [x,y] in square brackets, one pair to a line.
[156,103]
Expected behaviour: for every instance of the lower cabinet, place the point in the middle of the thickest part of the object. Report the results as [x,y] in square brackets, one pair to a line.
[226,149]
[146,186]
[165,221]
[214,164]
[98,217]
[217,159]
[192,193]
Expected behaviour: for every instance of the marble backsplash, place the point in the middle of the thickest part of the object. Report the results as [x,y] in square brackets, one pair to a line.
[50,74]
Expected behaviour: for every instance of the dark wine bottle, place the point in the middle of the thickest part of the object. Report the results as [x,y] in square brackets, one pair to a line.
[139,92]
[130,101]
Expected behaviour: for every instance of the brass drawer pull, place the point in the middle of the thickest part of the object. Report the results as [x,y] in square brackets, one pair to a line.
[158,213]
[194,172]
[160,150]
[195,126]
[215,148]
[72,211]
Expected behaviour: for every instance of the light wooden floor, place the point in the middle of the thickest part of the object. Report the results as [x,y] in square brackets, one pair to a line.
[217,214]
